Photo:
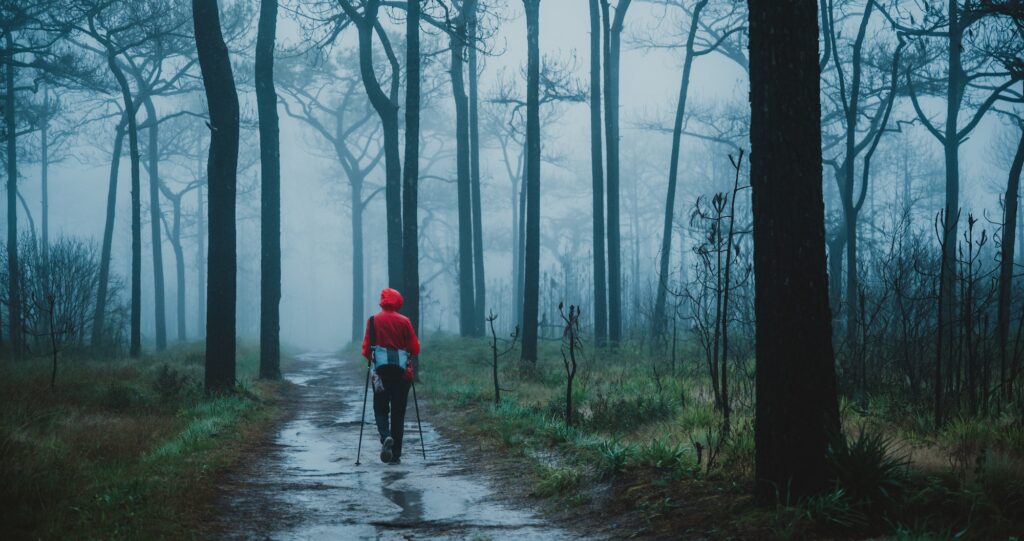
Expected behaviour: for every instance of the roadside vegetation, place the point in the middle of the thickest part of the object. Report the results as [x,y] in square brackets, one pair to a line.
[649,447]
[122,449]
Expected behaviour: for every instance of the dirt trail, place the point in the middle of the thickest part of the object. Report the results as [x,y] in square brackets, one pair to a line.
[305,485]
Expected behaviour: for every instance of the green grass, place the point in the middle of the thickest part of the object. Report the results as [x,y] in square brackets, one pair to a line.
[121,449]
[637,431]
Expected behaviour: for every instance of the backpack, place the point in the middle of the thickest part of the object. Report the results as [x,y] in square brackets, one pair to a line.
[383,356]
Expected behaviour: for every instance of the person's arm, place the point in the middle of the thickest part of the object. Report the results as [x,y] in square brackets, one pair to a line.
[366,341]
[414,342]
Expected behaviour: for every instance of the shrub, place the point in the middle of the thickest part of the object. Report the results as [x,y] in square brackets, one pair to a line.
[660,454]
[868,469]
[617,415]
[612,457]
[1001,481]
[556,481]
[119,396]
[170,384]
[818,516]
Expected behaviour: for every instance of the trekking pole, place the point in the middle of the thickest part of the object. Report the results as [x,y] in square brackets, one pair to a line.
[362,419]
[418,425]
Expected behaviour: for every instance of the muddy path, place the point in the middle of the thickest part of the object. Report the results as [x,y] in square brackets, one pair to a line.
[304,484]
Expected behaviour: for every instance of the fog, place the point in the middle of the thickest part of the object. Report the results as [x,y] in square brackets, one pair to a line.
[316,231]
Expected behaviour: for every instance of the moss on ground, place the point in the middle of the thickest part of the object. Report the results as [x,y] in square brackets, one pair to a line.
[122,449]
[648,448]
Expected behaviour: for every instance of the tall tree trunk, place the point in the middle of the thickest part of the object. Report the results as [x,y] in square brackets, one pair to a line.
[521,248]
[10,124]
[597,175]
[612,38]
[179,269]
[221,169]
[358,259]
[479,289]
[1006,268]
[270,194]
[531,284]
[44,180]
[156,239]
[951,151]
[673,173]
[386,107]
[411,172]
[797,409]
[201,209]
[99,317]
[851,210]
[467,302]
[135,337]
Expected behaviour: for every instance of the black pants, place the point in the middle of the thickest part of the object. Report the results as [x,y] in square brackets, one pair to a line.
[391,400]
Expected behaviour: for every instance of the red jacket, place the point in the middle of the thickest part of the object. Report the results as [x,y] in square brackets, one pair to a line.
[391,329]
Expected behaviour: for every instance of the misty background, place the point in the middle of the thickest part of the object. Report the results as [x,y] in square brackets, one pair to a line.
[316,232]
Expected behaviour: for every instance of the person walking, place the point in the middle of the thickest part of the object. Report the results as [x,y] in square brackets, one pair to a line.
[390,346]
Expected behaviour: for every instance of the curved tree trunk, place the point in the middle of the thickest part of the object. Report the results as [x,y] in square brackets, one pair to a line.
[270,194]
[99,317]
[673,173]
[135,337]
[156,239]
[386,107]
[222,99]
[179,269]
[797,409]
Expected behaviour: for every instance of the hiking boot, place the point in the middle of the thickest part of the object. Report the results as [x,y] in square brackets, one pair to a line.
[395,461]
[386,452]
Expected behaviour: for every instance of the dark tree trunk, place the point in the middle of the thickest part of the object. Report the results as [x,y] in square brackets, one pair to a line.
[850,209]
[1006,268]
[358,287]
[44,181]
[10,124]
[797,411]
[201,232]
[156,239]
[951,151]
[673,173]
[179,269]
[531,284]
[612,37]
[270,194]
[521,248]
[135,338]
[201,235]
[479,289]
[99,317]
[221,169]
[410,185]
[597,174]
[467,302]
[386,107]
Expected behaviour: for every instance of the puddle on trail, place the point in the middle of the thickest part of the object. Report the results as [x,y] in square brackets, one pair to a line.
[307,485]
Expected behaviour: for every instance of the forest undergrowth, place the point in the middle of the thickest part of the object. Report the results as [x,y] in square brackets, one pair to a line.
[649,447]
[122,449]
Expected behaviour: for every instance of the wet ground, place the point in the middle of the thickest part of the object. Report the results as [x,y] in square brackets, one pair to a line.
[305,484]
